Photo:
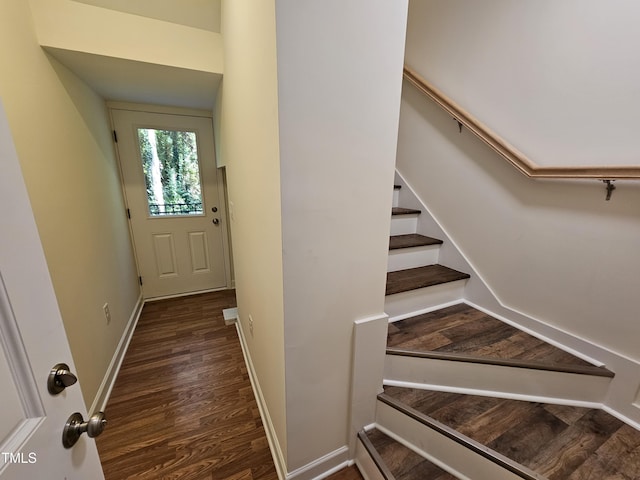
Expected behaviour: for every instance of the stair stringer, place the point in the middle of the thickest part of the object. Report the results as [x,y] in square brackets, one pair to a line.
[622,399]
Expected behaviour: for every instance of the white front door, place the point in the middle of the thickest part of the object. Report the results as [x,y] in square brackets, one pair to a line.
[175,200]
[32,341]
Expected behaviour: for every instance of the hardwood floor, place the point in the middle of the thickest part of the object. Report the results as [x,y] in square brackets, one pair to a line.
[403,462]
[182,406]
[463,329]
[421,277]
[349,473]
[556,441]
[410,240]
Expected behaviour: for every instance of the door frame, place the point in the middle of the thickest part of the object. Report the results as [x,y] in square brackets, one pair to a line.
[221,184]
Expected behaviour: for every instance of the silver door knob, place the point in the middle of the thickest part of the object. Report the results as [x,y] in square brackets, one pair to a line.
[76,426]
[60,378]
[216,221]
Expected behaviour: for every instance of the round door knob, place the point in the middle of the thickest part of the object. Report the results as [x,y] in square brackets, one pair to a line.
[216,221]
[76,426]
[60,377]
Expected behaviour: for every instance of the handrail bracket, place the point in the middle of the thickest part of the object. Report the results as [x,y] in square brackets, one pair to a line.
[610,188]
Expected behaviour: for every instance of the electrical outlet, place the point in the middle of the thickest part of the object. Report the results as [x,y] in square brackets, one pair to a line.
[251,325]
[107,313]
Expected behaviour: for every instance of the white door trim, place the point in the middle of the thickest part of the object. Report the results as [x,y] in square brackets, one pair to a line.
[220,178]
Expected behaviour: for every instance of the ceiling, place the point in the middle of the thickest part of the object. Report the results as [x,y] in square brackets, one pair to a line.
[127,80]
[132,81]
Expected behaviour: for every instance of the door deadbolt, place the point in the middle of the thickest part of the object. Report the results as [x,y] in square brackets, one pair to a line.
[76,426]
[214,209]
[60,377]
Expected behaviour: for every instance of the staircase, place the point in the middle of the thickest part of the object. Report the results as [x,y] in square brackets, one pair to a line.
[471,396]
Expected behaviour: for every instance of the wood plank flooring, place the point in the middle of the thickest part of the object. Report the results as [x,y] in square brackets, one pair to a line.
[464,329]
[404,211]
[410,240]
[420,277]
[349,473]
[182,406]
[403,462]
[559,442]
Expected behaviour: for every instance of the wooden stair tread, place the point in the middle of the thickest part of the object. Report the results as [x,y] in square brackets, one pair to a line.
[420,277]
[411,240]
[555,441]
[404,463]
[404,211]
[462,329]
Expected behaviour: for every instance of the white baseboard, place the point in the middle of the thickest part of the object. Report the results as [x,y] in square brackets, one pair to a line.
[425,310]
[272,439]
[104,391]
[323,466]
[185,294]
[315,470]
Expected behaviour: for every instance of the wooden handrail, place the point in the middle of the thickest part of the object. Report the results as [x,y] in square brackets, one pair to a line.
[509,152]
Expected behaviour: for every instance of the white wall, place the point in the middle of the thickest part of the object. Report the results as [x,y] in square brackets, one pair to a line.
[555,251]
[339,77]
[309,150]
[247,134]
[62,136]
[558,80]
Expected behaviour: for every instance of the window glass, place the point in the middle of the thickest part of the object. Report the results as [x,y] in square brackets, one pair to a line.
[171,171]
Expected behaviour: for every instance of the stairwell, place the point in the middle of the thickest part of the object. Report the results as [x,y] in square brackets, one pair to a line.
[471,396]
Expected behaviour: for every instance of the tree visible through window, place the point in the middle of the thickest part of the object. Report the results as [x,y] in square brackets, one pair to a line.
[171,171]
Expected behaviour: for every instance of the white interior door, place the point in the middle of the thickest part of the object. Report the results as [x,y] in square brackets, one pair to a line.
[32,341]
[175,200]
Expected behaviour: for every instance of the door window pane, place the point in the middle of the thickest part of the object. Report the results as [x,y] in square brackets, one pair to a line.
[171,171]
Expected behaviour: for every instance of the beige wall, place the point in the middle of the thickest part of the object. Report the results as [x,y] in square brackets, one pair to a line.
[309,150]
[553,251]
[204,14]
[556,250]
[74,26]
[339,80]
[247,119]
[558,80]
[62,137]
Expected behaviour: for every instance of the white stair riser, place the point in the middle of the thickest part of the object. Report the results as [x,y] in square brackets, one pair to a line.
[496,380]
[396,197]
[438,448]
[404,224]
[404,258]
[366,465]
[403,304]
